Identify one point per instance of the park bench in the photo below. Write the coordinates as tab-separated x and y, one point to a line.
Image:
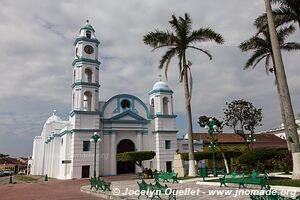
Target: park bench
243	179
100	183
155	190
166	176
271	196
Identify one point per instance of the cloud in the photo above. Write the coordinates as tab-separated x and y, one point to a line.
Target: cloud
37	52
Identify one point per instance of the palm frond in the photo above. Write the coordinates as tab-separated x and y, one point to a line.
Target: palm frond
258	55
165	60
205	34
283	33
254	43
267	63
202	50
156	38
290	46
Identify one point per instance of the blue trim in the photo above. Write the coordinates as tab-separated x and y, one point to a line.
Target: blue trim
160	90
164	116
64	132
79	83
85	130
93	40
127	113
78	66
87	27
126	96
73	112
125	121
112	131
85	60
165	131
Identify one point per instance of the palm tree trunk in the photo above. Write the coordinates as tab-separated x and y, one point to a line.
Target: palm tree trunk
192	167
282	113
224	158
291	133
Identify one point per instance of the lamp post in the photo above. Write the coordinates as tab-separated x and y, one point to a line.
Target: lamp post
251	139
212	126
95	138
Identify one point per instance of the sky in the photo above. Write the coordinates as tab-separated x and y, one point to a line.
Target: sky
37	53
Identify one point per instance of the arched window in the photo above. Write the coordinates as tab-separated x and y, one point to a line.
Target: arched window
152	107
88	75
125	104
165	106
87	101
88	34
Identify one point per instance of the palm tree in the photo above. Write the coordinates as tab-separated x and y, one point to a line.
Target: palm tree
284	93
287	11
177	43
261	45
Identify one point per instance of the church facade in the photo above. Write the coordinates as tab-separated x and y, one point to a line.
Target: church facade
124	122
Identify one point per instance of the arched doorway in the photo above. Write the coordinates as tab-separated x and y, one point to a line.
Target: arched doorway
125	167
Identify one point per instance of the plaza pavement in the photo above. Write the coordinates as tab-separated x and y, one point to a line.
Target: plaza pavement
202	190
71	189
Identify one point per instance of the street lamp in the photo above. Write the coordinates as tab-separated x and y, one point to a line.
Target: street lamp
95	138
212	127
251	139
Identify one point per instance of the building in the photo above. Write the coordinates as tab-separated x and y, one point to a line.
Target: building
124	122
280	132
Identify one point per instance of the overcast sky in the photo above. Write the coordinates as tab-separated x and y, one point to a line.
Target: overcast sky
37	51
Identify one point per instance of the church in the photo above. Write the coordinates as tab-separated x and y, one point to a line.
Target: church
64	149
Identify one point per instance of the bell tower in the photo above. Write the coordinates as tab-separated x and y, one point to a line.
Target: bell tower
164	124
85	87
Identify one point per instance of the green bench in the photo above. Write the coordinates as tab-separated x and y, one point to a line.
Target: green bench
243	179
99	183
272	196
152	191
166	176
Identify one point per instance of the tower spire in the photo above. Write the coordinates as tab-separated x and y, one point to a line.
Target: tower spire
159	77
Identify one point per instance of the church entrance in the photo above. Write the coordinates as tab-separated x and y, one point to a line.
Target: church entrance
125	167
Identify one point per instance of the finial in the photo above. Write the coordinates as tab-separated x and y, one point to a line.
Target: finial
160	77
87	21
54	112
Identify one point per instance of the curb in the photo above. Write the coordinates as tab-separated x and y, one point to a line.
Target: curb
103	195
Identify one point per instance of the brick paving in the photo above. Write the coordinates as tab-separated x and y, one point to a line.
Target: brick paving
53	189
201	190
71	189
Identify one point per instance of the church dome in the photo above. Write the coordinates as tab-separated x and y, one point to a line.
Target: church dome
87	26
53	118
160	86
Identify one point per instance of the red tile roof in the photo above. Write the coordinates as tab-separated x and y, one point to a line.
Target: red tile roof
220	137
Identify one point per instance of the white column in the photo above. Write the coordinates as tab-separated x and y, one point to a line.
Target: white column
113	149
139	140
156	136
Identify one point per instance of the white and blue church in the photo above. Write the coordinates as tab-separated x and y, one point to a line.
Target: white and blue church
124	123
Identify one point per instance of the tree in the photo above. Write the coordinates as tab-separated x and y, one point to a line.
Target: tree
243	115
177	41
287	108
136	157
3	157
287	11
203	120
261	46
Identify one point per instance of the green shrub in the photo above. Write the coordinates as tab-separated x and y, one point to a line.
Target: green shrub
262	159
137	157
208	155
